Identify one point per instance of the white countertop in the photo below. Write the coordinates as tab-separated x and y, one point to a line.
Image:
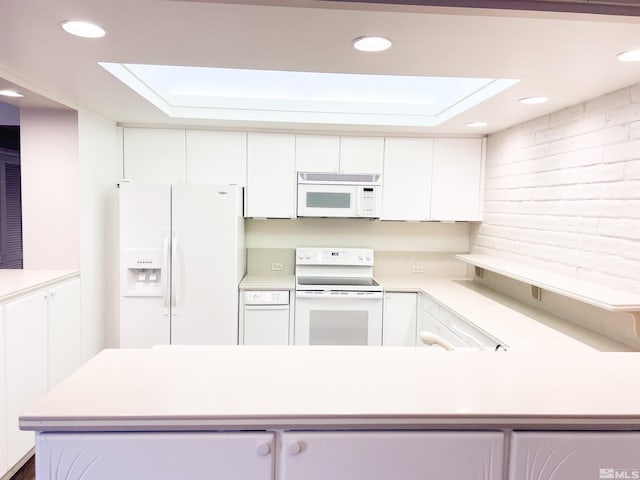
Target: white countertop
268	282
221	387
520	326
17	282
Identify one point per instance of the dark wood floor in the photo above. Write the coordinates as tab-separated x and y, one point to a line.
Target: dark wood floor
27	472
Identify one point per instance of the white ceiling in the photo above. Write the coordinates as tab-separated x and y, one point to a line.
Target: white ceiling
566	57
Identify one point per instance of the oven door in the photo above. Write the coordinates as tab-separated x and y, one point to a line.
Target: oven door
338	318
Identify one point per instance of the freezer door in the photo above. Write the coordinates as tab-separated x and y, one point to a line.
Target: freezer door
145	216
206	250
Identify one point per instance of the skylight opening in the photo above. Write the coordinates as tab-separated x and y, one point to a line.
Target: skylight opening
305	97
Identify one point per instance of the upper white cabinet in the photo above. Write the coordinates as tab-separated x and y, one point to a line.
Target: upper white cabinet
271	175
64	331
25	373
218	158
361	154
456	186
154	155
391	455
317	153
406	181
325	153
399	319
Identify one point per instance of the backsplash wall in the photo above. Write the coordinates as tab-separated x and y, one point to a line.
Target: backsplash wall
562	192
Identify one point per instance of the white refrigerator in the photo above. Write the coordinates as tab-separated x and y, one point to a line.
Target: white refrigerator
182	257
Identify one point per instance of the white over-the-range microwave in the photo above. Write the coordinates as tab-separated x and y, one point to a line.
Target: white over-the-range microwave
350	195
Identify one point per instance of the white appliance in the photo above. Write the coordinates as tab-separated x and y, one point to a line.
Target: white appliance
440	327
265	317
182	257
339	195
338	302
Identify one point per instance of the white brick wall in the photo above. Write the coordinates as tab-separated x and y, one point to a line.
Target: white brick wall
562	192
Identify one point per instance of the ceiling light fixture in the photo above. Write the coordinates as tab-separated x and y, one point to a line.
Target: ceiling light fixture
371	44
11	93
476	124
533	100
83	29
629	56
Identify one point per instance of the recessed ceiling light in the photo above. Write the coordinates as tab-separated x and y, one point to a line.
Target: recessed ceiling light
371	44
83	29
11	93
476	124
630	56
533	100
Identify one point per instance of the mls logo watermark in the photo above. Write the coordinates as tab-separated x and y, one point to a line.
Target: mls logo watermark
621	473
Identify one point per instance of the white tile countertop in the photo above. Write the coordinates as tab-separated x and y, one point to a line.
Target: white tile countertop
520	326
17	282
255	387
268	282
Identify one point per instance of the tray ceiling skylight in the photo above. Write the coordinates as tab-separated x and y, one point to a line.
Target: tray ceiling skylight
305	97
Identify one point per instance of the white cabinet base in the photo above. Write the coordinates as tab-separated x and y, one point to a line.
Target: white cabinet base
391	455
575	455
157	456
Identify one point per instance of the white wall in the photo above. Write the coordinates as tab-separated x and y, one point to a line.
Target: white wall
9	115
50	188
100	170
562	192
343	232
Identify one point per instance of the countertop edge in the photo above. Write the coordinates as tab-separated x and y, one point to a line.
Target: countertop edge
56	276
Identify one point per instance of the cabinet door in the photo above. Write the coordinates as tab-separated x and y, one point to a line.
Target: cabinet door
25	341
399	319
361	154
157	456
64	328
432	325
317	153
391	455
406	183
456	189
217	158
3	407
271	175
574	455
154	155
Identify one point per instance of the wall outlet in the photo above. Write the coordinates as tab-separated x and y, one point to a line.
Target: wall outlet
417	269
277	267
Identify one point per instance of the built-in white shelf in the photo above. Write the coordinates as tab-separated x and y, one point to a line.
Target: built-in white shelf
586	292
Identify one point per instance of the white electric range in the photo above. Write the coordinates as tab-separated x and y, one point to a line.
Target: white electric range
338	302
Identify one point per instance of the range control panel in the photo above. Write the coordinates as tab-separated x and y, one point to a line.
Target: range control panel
334	256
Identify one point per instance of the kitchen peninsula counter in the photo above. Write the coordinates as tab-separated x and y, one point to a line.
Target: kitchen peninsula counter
522	327
251	387
14	282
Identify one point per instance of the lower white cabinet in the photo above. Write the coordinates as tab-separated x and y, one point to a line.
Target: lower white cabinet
40	344
3	418
391	455
64	331
399	319
574	455
156	455
25	372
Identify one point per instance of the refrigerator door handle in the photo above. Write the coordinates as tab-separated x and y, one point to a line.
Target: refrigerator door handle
175	273
164	274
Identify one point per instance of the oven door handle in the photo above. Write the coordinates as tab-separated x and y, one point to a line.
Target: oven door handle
340	295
